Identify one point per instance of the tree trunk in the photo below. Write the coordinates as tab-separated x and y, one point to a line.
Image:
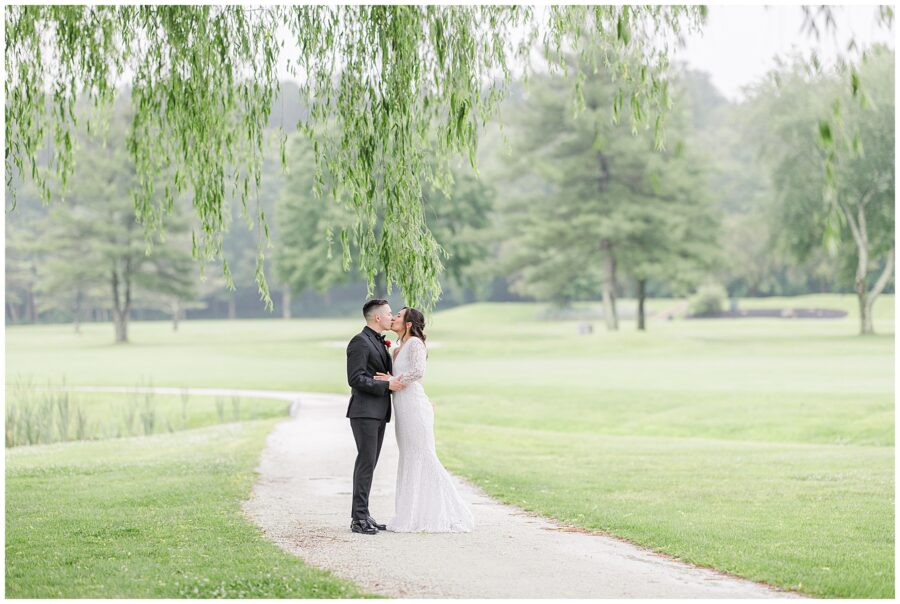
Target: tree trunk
865	316
865	322
77	310
642	292
609	286
13	312
866	309
116	303
30	306
232	307
121	328
176	313
120	310
860	233
127	313
380	285
286	303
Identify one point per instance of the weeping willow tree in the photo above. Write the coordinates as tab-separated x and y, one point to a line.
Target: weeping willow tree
393	93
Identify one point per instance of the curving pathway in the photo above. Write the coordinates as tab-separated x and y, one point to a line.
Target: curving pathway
301	501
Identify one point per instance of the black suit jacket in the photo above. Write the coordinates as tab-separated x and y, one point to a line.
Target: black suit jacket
366	356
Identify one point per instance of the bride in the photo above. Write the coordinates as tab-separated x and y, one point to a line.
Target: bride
426	499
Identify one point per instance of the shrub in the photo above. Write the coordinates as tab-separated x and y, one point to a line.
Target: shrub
709	299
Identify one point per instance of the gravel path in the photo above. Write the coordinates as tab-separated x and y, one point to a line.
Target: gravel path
301	501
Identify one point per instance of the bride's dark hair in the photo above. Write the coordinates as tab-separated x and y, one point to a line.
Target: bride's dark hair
417	319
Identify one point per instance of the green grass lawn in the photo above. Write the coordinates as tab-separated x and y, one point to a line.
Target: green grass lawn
763	447
147	517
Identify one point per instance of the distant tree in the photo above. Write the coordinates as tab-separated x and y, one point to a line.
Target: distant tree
675	238
23	257
753	263
309	255
94	239
199	105
309	252
601	202
459	217
69	278
848	207
200	108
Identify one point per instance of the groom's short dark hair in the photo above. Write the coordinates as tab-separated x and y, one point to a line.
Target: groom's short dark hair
371	305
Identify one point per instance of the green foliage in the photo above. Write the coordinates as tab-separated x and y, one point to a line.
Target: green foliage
194	121
823	19
460	221
403	86
710	298
312	251
309	255
752	263
834	180
846	93
435	85
585	189
23	256
92	241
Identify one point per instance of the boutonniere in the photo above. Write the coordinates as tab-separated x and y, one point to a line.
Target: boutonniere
387	343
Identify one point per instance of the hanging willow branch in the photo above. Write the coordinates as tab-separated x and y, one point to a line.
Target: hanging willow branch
393	93
203	79
817	21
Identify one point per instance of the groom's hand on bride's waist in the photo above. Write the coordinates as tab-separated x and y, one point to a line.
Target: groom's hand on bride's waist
394	383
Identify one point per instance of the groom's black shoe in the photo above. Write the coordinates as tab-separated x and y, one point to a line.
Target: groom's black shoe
380	527
362	527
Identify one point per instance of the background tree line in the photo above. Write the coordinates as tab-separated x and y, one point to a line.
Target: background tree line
567	207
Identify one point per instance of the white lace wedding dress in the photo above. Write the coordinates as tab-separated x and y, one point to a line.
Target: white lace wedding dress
426	499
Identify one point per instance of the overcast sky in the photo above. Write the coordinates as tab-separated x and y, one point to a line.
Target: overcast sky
739	43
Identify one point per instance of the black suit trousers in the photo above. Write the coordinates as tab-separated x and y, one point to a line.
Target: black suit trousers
369	434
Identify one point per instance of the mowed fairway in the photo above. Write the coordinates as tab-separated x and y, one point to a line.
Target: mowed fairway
147	517
761	447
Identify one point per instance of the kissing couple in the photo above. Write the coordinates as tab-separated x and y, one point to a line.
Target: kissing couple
426	498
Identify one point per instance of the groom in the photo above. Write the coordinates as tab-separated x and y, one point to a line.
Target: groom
370	406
